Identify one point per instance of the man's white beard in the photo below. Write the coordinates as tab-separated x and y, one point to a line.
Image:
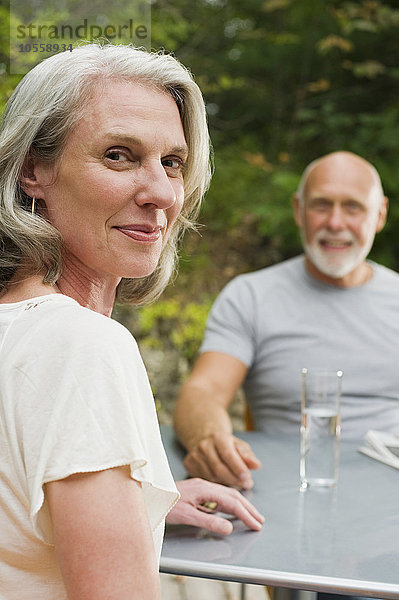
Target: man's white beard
333	264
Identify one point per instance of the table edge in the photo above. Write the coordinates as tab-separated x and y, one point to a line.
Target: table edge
278	578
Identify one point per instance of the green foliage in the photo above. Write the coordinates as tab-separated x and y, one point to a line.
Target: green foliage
7	82
284	82
246	187
169	323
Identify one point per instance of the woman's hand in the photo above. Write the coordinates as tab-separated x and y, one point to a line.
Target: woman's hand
190	509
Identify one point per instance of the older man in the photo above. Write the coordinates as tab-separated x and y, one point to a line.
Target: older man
329	308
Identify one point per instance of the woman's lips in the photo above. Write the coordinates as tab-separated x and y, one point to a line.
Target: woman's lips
141	233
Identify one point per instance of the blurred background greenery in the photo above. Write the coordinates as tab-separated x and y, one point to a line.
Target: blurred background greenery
284	82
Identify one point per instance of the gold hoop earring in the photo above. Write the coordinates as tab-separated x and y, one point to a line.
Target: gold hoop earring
33	205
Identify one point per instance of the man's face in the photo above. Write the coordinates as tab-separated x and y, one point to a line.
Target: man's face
341	212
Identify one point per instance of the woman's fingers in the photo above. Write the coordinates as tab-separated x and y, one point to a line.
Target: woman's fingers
195	493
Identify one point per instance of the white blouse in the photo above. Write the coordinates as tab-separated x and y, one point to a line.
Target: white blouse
74	397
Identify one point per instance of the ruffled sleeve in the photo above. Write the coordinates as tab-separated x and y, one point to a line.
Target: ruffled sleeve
83	403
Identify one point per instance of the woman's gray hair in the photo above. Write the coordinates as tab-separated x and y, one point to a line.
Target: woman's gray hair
44	107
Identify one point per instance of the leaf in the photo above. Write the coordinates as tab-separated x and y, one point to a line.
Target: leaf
334	41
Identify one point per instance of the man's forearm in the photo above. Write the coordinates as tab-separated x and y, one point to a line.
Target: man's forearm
197	415
203	425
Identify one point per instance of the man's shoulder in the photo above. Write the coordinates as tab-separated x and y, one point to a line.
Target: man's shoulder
385	281
287	271
385	272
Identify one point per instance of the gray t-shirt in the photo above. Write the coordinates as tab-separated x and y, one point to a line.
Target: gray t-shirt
280	319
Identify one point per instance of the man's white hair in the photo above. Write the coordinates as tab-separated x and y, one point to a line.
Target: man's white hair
376	191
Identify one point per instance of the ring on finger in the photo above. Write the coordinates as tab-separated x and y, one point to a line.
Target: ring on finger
210	506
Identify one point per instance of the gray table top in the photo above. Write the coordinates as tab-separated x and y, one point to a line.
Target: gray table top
341	540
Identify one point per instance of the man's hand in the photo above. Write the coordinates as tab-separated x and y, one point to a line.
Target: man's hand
190	509
223	458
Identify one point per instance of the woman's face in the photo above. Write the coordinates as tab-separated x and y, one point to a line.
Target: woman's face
119	187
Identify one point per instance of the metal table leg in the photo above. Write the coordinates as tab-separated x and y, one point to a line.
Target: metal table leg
288	594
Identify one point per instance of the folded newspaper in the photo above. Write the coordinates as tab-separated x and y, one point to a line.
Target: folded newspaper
382	446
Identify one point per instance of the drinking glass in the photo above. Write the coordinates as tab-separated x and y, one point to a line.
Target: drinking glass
320	427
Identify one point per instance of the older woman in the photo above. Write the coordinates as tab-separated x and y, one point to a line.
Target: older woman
104	158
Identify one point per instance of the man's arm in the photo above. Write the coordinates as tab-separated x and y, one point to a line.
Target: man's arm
203	425
102	536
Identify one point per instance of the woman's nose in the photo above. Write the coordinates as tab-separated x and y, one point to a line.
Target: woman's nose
154	187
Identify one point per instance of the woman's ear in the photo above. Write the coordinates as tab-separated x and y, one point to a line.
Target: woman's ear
27	178
33	178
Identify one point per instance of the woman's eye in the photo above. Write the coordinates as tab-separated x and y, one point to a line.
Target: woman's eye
173	163
116	155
